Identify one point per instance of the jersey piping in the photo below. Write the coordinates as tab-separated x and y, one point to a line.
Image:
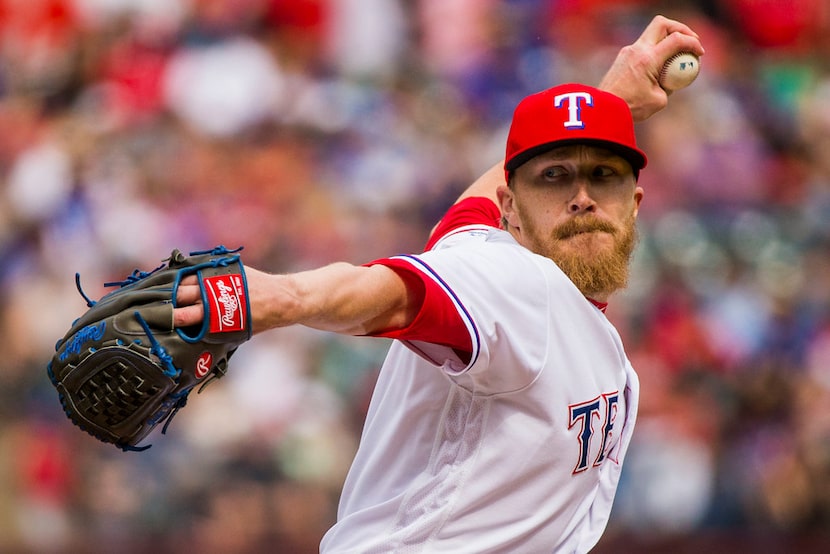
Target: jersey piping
466	319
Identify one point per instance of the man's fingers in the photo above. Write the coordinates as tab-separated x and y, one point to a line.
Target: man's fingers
678	42
660	27
188	315
189	310
669	37
188	294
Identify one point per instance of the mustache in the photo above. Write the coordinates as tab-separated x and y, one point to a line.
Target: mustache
585	224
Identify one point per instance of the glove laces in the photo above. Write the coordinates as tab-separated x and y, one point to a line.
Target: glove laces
171	405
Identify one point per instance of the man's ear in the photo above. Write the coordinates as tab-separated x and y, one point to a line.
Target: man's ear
507	205
638	198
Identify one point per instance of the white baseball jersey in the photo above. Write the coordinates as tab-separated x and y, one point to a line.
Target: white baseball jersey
519	448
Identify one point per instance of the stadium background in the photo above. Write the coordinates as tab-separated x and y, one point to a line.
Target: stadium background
319	130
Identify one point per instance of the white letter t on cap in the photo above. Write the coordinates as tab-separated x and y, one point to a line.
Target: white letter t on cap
574	106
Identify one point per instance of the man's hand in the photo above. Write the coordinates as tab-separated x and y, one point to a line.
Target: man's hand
634	74
190	312
262	286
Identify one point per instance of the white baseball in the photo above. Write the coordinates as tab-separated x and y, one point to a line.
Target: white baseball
679	71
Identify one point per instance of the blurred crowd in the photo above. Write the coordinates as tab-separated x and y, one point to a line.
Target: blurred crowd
312	131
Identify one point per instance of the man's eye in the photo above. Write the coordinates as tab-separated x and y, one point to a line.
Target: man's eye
554	172
603	171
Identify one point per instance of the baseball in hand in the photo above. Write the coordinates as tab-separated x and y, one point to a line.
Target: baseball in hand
679	71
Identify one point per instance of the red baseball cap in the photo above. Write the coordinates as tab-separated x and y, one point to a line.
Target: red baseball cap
571	114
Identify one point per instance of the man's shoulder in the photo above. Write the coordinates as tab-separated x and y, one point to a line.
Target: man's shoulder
471	211
489	254
468	235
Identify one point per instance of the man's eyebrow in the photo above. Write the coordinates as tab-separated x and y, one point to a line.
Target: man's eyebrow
566	151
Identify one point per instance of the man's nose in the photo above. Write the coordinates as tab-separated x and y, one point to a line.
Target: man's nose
581	201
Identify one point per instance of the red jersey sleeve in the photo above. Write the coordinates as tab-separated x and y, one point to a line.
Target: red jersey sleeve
470	211
437	321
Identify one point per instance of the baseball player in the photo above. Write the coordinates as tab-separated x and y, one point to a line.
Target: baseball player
504	408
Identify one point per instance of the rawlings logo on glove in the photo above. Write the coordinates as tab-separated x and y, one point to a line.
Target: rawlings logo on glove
227	296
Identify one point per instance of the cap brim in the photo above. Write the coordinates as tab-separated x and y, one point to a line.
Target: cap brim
634	157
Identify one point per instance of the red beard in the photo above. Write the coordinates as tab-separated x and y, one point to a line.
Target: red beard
603	270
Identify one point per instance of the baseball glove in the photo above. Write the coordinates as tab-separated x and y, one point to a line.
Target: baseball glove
123	368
